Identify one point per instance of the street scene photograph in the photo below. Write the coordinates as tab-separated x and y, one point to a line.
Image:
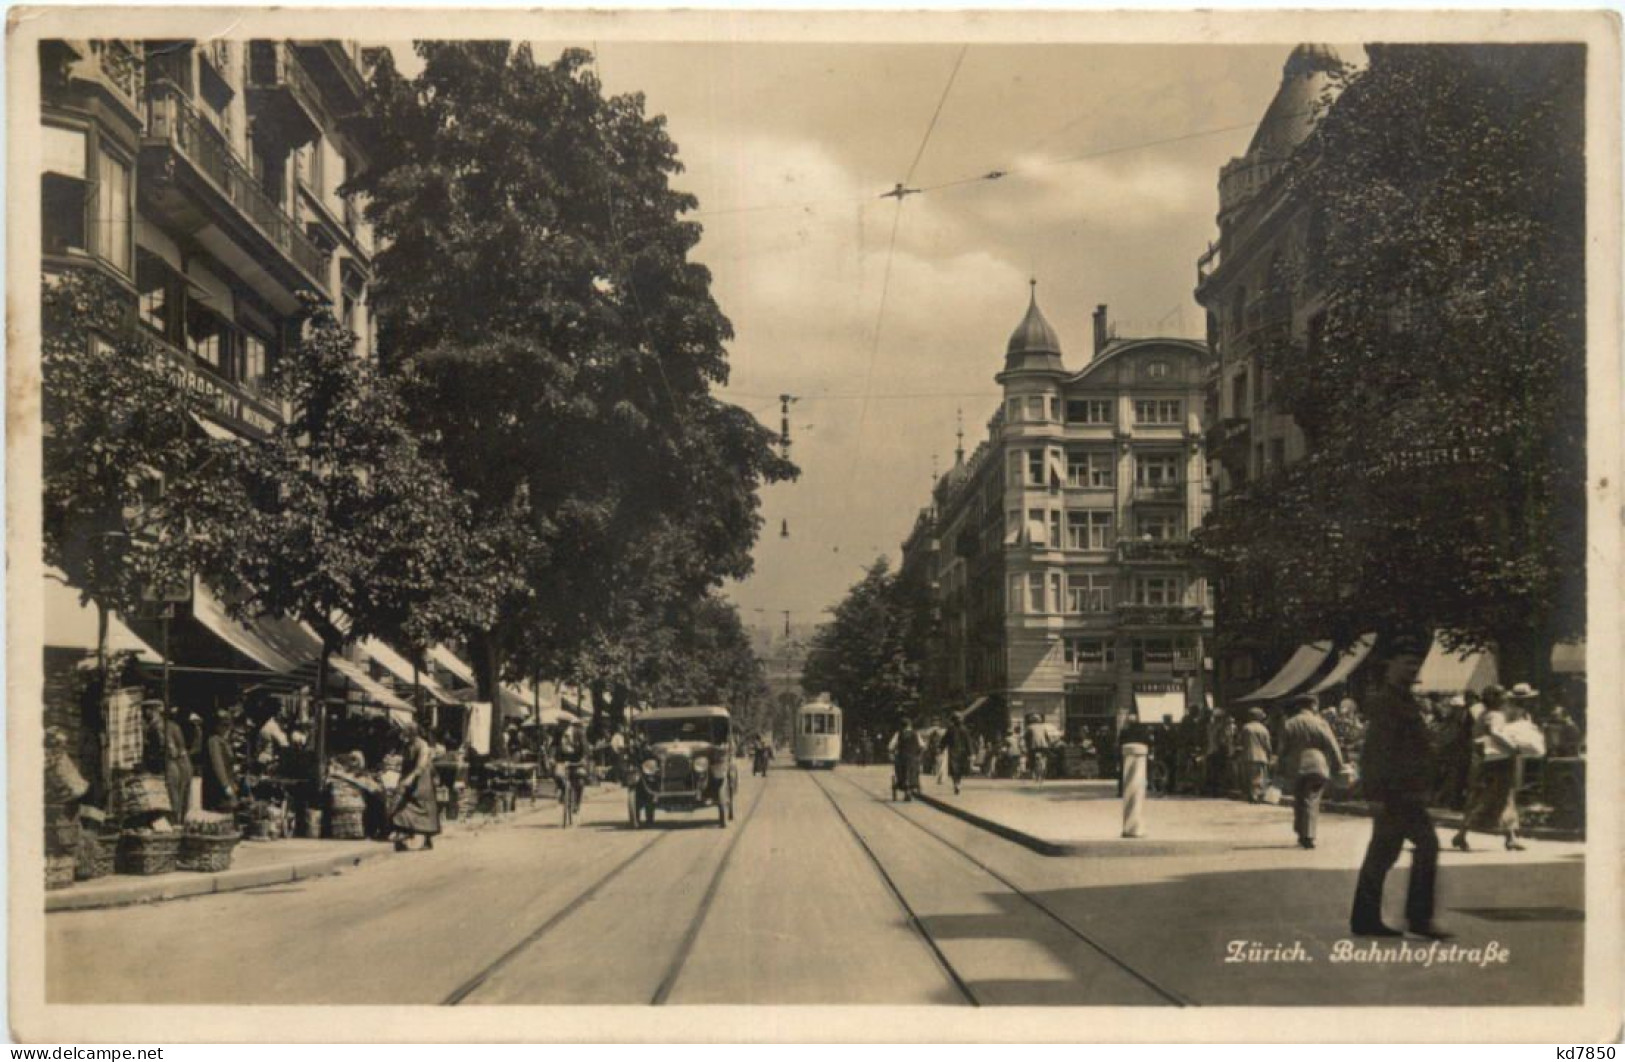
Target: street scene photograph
913	516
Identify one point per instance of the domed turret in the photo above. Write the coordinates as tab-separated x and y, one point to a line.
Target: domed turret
1034	344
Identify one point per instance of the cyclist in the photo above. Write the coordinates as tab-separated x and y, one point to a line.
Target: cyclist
570	760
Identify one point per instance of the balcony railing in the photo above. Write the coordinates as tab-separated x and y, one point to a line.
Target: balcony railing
289	94
1163	550
1159	491
1136	615
118	65
171	117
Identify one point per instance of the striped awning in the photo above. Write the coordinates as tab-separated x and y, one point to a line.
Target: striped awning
1298	670
402	670
1445	671
1347	661
375	692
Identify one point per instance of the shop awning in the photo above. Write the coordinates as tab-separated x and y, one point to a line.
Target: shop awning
1569	658
398	666
1347	661
1151	707
448	660
273	642
375	691
1445	671
72	625
1298	670
977	703
213	430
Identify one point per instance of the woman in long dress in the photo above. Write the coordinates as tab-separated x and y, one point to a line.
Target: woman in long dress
1492	805
416	811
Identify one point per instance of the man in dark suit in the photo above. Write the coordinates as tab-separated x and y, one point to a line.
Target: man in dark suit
1310	757
1397	767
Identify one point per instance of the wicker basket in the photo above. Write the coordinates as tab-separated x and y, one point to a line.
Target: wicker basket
341	797
59	871
61	836
95	857
347	824
147	853
204	854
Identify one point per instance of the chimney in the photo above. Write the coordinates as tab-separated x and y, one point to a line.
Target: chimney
1100	328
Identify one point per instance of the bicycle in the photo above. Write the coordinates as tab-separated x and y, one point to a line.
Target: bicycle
571	782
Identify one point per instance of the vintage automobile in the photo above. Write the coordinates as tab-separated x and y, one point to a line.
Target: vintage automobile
682	760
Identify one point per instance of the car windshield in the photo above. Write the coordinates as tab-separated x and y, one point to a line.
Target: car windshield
708	729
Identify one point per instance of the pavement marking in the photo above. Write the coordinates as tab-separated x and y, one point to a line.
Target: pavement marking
669	982
1172	996
897	894
472	984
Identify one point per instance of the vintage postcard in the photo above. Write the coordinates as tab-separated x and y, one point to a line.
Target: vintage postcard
805	525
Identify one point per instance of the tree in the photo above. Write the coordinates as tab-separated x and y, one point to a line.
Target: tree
865	658
119	449
535	279
339	519
1442	390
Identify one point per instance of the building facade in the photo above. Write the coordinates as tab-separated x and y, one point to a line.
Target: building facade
203	179
1254	286
1057	551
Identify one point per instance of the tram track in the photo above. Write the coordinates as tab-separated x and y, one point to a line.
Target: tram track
1168	995
674	969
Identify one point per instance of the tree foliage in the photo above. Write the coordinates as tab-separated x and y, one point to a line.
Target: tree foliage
1442	391
535	278
868	658
120	447
339	519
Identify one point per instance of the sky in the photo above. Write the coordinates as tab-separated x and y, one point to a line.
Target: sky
885	318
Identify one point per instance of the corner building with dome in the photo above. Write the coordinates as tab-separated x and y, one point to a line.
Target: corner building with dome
1057	552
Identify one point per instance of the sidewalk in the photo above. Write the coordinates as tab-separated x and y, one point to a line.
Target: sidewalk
1061	818
258	863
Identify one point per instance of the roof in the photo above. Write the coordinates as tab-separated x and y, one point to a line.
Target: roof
704	711
1120	348
819	706
1033	336
1291	114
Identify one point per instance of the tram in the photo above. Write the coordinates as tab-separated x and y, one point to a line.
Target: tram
817	741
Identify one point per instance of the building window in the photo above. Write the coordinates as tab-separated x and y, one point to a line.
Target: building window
1089	468
113	210
64	190
1159	527
256	362
1089	529
1157	590
210	339
1238	395
160	299
1089	410
1014	414
1157	370
1088	654
1056	583
1158	411
1156	470
1035	408
1035	593
1035	468
1054	539
1154	654
1018	591
1089	592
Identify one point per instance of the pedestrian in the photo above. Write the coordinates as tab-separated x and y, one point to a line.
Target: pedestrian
956	750
416	811
937	756
906	749
1397	769
1257	749
177	765
1455	754
1133	732
1035	742
1563	736
1310	757
220	792
1492	804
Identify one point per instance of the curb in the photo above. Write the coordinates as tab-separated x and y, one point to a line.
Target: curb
1449	821
1124	847
141	890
